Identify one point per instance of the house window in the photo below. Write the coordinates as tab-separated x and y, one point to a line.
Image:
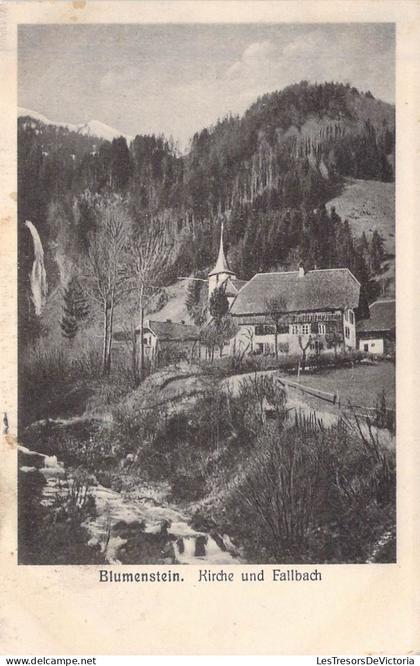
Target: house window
351	317
300	329
264	329
366	347
321	329
347	332
146	340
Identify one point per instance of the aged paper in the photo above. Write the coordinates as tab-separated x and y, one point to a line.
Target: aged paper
337	608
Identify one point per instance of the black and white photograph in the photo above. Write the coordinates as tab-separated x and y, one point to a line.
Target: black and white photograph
206	294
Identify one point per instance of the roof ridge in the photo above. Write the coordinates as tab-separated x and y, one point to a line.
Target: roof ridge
337	268
343	268
383	300
274	273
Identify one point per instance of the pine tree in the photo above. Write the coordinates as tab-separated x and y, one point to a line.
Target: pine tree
196	299
75	308
376	252
121	167
218	304
69	325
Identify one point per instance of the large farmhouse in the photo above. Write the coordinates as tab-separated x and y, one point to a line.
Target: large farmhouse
311	311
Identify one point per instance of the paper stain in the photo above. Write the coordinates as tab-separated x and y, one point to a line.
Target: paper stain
79	4
13	195
11	441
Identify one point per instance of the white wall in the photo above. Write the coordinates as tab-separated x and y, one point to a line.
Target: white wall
349	341
375	345
246	333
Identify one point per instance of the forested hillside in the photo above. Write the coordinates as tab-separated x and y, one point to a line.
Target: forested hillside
269	173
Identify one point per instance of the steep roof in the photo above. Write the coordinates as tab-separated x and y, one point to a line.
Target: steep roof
238	284
233	285
173	331
382	317
330	289
222	265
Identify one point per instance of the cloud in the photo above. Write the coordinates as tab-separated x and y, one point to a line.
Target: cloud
163	101
118	76
253	59
312	44
317	55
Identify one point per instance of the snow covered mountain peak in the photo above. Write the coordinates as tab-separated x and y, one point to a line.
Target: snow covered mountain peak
94	128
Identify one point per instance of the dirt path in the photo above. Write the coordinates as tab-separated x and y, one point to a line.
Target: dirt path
295	401
308	404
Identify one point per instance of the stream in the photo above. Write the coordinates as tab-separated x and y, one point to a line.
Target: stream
123	524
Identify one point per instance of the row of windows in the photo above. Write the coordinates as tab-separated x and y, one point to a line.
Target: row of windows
316	346
306	329
294	329
314	316
267	348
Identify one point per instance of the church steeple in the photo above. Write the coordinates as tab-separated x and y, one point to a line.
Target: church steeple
221	271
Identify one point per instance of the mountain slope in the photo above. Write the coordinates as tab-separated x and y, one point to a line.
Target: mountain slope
91	128
369	206
268	173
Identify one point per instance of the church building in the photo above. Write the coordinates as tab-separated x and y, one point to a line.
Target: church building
315	309
221	275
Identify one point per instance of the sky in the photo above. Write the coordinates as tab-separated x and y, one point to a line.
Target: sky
177	79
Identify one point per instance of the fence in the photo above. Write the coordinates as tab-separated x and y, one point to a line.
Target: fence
382	416
333	398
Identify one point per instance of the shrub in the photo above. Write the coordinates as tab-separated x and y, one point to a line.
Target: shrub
55	534
385	416
49	375
313	494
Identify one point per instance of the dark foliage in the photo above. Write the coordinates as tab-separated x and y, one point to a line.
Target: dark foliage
273	170
75	308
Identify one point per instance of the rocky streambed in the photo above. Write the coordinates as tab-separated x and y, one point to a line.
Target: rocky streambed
132	527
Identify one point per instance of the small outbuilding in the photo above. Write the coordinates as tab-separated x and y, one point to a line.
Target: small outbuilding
162	336
164	341
376	335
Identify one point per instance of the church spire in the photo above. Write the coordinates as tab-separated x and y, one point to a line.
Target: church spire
222	265
221	272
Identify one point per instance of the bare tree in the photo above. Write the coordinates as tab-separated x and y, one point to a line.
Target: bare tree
108	276
249	334
151	254
304	348
334	339
276	308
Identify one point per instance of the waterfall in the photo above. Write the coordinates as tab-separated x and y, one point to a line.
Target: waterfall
38	276
120	520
